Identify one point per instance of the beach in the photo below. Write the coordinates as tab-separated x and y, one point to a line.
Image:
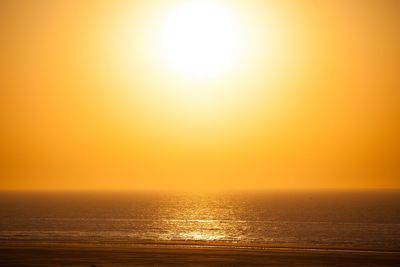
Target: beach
86	254
252	229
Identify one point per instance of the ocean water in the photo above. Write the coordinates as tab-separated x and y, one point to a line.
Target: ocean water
348	219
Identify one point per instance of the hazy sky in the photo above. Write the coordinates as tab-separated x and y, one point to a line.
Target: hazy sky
88	102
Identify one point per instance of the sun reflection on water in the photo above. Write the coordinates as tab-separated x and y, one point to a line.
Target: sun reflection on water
199	219
207	230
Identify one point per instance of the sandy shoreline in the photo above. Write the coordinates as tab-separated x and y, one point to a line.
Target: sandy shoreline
87	254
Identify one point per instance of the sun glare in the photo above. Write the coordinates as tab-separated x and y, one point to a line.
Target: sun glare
197	69
201	40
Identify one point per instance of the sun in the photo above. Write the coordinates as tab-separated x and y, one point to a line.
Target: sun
201	40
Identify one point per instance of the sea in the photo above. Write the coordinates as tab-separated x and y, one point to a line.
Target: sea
362	220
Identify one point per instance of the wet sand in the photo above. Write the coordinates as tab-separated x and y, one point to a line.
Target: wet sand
51	254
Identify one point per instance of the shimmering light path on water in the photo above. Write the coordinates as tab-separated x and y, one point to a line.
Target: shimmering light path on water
355	220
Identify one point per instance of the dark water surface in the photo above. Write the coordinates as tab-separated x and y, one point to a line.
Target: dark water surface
348	219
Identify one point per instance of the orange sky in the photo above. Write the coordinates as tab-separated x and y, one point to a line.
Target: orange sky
314	104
